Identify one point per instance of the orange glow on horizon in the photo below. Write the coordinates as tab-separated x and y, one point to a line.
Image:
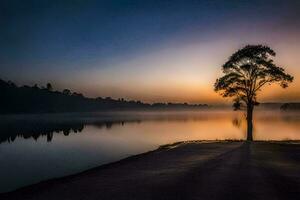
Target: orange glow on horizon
184	73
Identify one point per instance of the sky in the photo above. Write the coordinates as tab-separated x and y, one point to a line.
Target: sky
154	51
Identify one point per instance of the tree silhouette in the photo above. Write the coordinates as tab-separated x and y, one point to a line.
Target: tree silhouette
66	92
246	72
49	87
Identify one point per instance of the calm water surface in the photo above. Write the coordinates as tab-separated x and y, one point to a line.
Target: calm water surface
39	147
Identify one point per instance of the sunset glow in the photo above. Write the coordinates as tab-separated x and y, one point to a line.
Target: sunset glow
156	59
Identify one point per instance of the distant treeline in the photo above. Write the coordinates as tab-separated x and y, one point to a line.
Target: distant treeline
35	99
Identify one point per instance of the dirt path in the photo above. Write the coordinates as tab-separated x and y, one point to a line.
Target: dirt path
222	170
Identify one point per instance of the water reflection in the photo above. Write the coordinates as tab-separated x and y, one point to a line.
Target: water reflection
46	126
57	145
36	126
237	122
10	130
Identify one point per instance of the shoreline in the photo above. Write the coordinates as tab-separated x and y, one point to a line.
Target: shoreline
184	155
103	166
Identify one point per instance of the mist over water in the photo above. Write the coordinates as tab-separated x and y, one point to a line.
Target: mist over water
39	147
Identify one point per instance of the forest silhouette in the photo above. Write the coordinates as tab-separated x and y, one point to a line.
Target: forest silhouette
35	99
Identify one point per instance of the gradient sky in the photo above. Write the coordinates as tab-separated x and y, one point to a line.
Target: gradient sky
147	50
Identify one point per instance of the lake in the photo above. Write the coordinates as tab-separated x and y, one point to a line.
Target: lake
39	147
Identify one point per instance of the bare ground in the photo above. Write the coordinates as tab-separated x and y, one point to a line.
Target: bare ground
219	170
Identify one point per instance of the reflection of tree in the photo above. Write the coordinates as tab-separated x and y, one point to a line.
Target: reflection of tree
11	129
237	122
31	129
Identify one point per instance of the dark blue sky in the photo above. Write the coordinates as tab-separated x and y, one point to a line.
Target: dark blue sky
56	41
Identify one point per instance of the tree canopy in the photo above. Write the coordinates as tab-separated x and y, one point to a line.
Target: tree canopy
247	71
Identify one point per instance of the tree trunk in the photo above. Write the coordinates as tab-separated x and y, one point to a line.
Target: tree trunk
249	122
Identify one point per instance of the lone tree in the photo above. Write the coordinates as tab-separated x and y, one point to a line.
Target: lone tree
66	92
49	87
246	72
